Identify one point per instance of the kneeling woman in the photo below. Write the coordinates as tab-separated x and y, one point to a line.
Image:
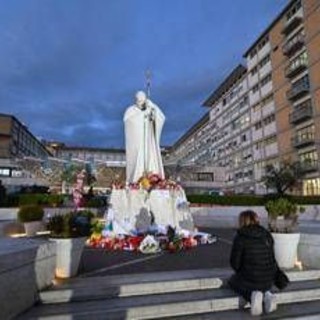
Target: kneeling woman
252	258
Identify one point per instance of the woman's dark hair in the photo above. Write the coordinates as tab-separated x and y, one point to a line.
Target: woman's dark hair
248	218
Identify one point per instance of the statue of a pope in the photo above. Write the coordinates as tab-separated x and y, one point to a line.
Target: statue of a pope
143	124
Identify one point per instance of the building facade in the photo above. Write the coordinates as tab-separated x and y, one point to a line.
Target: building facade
17	142
287	56
108	156
268	111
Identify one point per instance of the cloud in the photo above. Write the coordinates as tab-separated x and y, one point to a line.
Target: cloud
69	69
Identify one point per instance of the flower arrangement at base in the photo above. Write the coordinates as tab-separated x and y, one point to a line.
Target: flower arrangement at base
151	181
153	241
149	245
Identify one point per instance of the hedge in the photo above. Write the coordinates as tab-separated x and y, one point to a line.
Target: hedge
41	199
248	200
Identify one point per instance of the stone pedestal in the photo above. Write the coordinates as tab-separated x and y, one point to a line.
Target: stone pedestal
137	208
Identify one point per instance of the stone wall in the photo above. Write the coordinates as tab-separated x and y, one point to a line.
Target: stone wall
26	267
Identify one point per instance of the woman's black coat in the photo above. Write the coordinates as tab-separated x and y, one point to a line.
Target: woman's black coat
252	258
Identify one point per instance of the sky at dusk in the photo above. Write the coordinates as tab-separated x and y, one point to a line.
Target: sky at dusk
70	68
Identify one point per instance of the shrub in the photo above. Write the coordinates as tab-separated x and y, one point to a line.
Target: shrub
95	203
70	225
54	200
286	209
41	199
249	200
232	200
29	213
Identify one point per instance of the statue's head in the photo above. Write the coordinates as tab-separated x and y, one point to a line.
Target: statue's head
140	98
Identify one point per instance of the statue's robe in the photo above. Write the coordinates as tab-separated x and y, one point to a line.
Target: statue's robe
142	135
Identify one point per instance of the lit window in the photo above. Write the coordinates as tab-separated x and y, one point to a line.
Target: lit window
4	172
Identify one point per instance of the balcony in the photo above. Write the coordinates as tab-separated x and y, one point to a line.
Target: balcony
294	44
309	166
299	89
293	22
301	113
296	66
303	139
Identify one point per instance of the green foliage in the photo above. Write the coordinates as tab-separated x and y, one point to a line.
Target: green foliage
29	213
41	199
94	203
70	225
232	200
287	210
283	178
97	227
249	200
69	174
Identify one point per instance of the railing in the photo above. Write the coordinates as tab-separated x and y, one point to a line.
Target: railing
301	112
303	139
296	66
293	23
309	166
293	44
298	90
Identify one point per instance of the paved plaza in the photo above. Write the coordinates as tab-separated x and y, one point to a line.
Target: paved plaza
99	262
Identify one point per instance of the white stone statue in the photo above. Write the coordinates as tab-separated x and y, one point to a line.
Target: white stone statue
143	123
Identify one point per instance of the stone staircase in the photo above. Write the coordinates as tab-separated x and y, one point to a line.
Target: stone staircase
190	294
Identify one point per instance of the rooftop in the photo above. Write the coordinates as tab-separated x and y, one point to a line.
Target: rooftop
266	31
233	77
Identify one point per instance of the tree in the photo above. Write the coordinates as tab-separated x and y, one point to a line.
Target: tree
282	178
90	177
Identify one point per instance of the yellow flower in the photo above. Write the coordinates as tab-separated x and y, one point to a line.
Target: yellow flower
145	183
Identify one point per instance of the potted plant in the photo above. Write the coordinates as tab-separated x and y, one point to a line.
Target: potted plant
69	231
31	216
283	220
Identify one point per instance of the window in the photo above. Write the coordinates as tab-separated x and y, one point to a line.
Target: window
264	61
293	10
259	145
263	42
270	140
243	102
304	81
254	71
265	80
269	119
252	53
311	187
258	125
16	173
306	132
4	172
309	157
205	176
255	88
267	99
256	107
301	60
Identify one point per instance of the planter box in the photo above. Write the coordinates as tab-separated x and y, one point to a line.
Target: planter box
69	253
31	228
309	250
285	249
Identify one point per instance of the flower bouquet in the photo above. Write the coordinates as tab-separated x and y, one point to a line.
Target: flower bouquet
149	245
152	181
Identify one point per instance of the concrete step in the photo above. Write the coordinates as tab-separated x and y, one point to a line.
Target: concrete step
296	311
97	288
159	306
